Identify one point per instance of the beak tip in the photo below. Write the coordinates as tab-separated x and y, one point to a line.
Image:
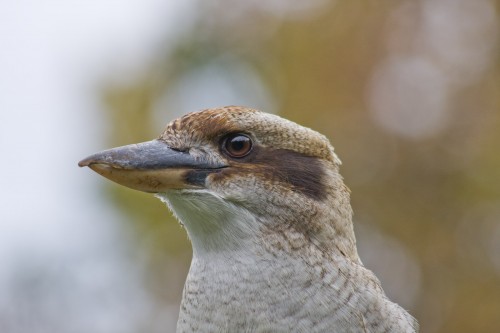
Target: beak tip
85	162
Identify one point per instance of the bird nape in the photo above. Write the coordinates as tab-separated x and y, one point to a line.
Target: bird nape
270	222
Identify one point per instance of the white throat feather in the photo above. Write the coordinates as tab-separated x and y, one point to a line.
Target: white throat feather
213	223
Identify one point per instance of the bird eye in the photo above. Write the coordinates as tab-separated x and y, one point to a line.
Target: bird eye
237	145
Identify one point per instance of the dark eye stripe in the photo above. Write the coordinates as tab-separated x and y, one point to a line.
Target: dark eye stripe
304	173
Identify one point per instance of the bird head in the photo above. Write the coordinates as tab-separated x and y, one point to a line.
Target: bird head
234	176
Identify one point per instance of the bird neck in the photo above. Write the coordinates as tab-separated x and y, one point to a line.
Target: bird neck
329	231
218	227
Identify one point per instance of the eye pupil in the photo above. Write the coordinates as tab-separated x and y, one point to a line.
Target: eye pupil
237	145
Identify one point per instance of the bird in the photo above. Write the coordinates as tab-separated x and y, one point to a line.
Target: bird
270	223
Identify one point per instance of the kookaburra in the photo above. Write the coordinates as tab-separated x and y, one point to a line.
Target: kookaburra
270	222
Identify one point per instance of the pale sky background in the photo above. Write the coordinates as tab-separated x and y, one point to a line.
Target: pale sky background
54	228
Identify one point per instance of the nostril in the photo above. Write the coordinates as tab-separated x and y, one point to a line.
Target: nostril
180	150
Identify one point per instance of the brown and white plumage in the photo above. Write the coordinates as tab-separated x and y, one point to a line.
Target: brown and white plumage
273	243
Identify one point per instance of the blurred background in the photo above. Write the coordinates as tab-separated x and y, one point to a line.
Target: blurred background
408	91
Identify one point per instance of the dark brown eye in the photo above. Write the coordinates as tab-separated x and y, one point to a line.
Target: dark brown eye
237	145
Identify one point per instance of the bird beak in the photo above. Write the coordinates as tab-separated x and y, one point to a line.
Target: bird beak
149	166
